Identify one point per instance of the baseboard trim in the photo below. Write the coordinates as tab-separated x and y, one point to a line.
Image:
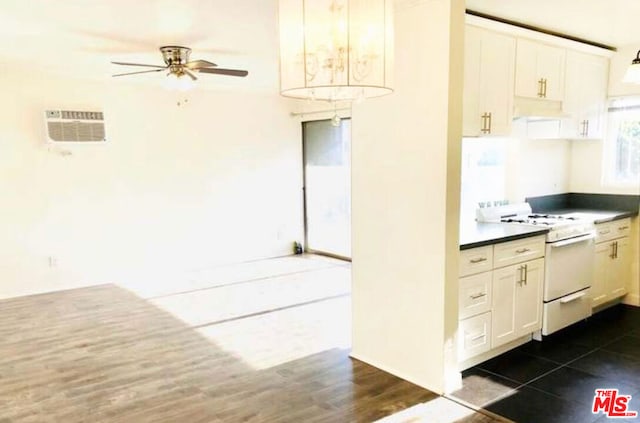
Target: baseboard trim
632	299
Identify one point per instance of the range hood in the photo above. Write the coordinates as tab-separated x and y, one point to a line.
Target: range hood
537	109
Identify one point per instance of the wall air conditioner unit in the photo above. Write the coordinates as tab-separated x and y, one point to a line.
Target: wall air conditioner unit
72	126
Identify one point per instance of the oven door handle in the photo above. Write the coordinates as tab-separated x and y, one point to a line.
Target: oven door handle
572	297
572	241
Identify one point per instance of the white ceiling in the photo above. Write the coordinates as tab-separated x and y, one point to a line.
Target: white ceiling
81	37
611	22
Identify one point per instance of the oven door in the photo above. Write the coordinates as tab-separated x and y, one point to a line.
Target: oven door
568	266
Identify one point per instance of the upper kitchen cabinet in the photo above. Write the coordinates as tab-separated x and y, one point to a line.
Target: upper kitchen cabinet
585	95
539	71
488	82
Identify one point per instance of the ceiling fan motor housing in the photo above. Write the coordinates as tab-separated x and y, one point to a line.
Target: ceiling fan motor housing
175	55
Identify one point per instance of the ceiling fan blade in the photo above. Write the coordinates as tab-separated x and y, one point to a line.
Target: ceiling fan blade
133	73
191	75
138	64
220	71
198	64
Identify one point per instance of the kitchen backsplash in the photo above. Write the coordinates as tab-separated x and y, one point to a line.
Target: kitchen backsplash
575	200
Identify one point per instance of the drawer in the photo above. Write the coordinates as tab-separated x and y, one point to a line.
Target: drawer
474	336
612	230
476	260
565	311
474	295
518	251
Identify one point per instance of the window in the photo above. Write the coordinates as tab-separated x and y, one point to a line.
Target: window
483	174
623	141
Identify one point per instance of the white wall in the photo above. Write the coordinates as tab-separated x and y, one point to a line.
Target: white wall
618	66
405	202
537	167
216	180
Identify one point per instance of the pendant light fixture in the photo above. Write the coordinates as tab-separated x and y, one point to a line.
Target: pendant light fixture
633	72
336	50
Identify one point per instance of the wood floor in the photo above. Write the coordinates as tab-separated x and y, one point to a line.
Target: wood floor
262	342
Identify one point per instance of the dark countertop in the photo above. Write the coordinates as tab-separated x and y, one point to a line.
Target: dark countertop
476	234
598	216
600	208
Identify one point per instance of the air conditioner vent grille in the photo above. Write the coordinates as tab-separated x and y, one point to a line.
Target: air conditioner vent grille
75	126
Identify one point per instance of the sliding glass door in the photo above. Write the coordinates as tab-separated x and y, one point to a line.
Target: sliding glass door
327	187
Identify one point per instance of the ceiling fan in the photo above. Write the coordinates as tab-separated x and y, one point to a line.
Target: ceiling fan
176	59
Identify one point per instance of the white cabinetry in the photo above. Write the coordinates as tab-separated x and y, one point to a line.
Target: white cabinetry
612	271
500	294
517	301
539	71
585	95
488	82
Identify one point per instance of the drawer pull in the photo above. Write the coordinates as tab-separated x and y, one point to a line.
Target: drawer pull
475	338
522	250
572	297
478	260
478	295
622	228
604	232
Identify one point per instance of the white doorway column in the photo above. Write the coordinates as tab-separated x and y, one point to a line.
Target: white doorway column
405	202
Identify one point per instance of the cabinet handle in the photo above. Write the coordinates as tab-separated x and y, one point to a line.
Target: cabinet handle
478	260
616	250
540	82
522	250
478	295
622	228
586	129
585	126
604	232
486	123
521	280
526	273
544	85
613	250
475	338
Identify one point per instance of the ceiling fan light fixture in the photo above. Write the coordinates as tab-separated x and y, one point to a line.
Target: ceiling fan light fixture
336	50
179	82
632	76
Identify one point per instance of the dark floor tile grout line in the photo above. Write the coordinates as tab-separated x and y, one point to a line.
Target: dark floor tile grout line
260	313
225	285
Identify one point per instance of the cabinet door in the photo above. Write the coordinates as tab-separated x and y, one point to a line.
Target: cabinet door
585	95
471	121
488	82
539	71
550	68
599	287
620	268
526	84
503	324
497	67
528	299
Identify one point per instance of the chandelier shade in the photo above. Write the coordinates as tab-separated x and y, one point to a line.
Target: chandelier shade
336	50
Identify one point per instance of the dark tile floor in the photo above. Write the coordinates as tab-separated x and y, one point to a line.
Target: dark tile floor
554	380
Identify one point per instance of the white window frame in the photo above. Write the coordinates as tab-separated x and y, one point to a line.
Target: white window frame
610	177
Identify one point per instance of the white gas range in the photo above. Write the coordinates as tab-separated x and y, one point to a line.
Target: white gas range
569	256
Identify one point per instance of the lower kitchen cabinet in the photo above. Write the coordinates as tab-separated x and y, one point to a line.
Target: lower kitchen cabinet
475	336
500	296
517	301
612	271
